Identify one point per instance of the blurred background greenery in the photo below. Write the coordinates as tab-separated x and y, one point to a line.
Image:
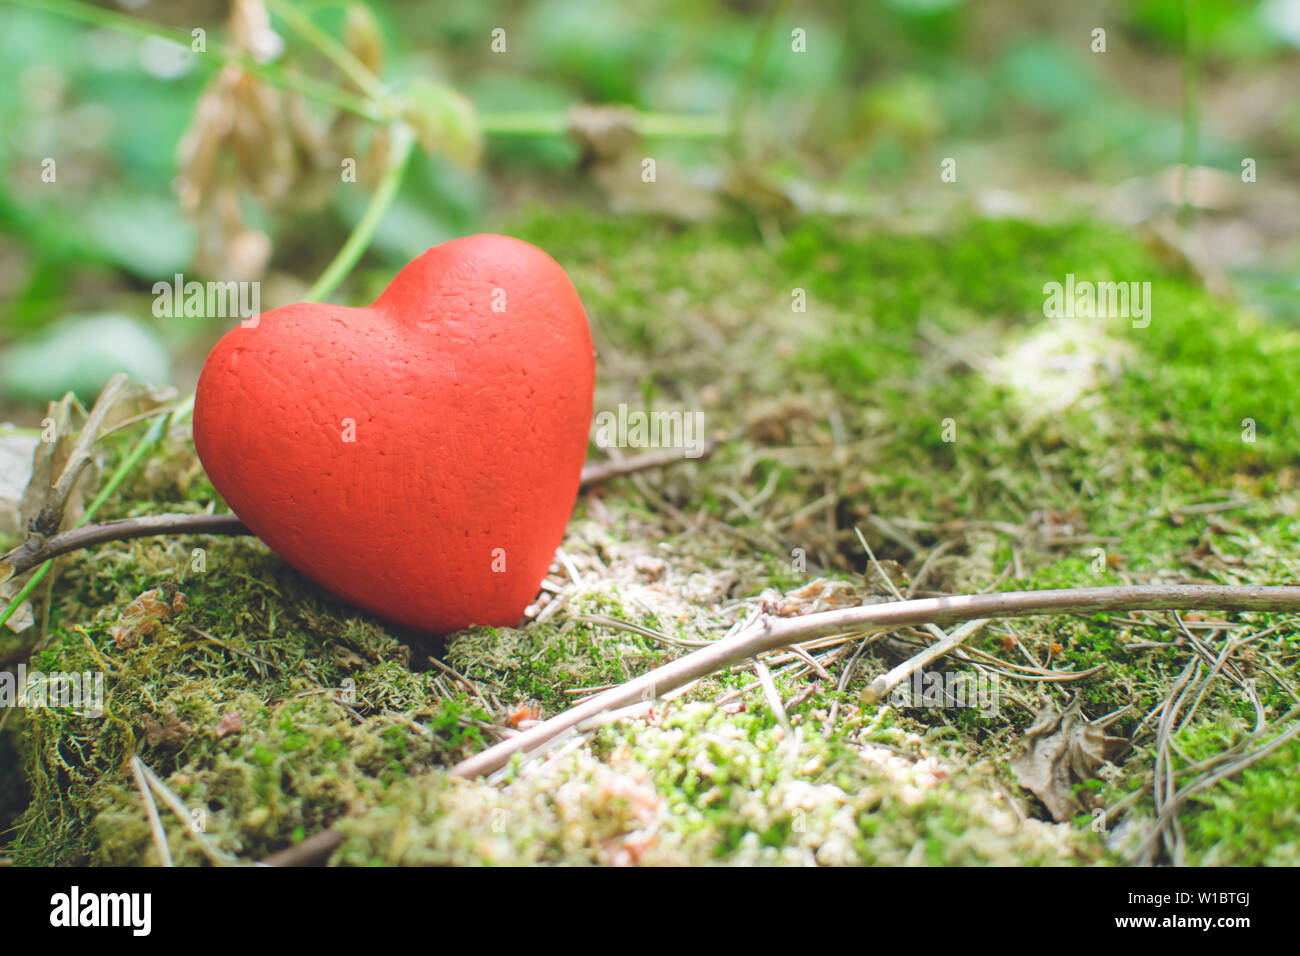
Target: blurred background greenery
1043	127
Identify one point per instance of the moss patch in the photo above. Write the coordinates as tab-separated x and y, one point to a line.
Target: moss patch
922	398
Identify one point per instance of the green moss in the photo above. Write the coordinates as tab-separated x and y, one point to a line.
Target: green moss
837	417
543	662
697	786
1250	819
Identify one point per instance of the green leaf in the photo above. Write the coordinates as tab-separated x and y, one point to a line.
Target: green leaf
80	355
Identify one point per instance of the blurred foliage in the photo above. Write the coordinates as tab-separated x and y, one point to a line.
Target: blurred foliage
886	89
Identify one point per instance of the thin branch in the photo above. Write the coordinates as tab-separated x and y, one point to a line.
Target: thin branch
882	685
332	49
768	633
159	786
32	553
315	850
29	555
885	683
595	474
151	811
376	109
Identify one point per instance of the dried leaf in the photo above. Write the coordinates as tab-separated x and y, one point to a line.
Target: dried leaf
20	620
823	594
231	723
1062	749
136	401
144	616
51	458
48	461
169	731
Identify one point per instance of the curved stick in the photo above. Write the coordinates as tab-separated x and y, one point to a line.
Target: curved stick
768	633
29	555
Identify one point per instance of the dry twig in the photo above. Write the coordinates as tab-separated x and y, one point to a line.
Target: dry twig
39	550
767	632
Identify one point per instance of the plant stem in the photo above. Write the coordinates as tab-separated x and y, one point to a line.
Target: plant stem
552	123
399	151
329	47
1191	109
381	109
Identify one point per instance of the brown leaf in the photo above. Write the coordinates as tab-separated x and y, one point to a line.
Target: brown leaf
143	616
1062	749
822	594
49	461
230	723
49	458
168	731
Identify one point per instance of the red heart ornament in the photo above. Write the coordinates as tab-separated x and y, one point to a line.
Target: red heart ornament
419	457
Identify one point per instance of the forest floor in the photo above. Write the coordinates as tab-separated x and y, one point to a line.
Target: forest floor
922	399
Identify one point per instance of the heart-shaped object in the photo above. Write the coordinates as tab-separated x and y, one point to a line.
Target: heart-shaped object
419	457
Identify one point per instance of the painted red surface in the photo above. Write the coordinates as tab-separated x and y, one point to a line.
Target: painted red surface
470	433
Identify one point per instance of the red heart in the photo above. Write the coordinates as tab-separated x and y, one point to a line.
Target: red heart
469	384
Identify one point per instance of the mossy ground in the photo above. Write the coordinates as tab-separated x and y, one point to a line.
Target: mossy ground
1070	436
